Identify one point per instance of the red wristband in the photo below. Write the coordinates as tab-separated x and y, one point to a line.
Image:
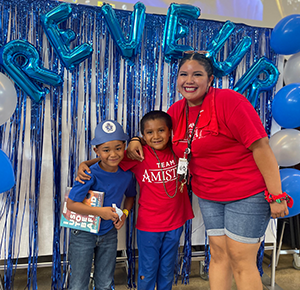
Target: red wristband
279	198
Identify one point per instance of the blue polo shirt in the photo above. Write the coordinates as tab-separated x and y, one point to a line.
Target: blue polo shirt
114	185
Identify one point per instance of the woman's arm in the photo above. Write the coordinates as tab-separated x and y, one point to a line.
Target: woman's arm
107	213
267	165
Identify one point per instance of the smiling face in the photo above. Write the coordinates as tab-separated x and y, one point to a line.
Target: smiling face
193	82
111	154
156	134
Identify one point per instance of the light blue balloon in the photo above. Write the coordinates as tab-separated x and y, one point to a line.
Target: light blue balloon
174	30
251	81
127	46
61	39
6	173
286	106
31	70
285	35
234	58
290	180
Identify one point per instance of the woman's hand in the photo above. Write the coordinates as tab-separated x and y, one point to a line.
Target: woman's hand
279	209
135	150
268	167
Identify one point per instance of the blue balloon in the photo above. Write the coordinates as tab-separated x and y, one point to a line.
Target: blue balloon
285	35
286	106
290	181
28	70
61	39
251	81
226	67
174	30
6	173
127	46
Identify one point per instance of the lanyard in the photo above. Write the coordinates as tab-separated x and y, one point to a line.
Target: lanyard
187	152
183	162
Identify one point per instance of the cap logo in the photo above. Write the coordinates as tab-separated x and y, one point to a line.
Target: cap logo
109	127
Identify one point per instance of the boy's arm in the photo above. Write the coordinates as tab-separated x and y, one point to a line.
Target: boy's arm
106	213
85	166
128	203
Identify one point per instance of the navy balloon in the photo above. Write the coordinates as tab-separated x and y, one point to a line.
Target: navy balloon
6	173
286	106
285	35
290	180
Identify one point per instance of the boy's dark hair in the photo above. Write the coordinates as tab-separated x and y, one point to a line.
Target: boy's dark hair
201	58
153	115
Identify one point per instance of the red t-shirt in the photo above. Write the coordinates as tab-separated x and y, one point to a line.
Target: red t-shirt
222	167
157	211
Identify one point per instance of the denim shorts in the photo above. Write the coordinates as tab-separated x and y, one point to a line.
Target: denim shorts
244	220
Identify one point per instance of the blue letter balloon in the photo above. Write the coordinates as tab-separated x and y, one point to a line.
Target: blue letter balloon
60	39
6	173
251	79
286	106
227	66
290	180
285	35
176	30
128	46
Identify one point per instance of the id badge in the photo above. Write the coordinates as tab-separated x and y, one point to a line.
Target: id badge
182	166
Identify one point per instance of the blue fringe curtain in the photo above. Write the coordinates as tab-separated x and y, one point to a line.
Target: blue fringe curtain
46	141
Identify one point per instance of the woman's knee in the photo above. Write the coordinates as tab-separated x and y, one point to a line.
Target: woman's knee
218	249
242	255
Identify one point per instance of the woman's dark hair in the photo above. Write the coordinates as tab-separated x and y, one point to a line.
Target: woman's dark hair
201	58
153	115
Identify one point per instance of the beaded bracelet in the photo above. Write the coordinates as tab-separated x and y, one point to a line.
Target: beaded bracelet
138	139
279	198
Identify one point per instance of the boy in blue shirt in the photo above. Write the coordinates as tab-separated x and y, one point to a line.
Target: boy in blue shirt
108	177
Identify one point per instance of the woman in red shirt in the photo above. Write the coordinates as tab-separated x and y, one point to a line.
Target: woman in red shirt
218	134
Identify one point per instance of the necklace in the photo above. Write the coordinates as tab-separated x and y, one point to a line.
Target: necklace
162	173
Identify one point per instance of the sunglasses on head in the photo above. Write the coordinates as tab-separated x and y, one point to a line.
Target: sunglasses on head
189	52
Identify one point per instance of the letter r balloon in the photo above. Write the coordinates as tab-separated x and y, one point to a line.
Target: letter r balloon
255	84
28	70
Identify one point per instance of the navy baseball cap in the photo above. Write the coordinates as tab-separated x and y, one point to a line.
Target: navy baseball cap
108	130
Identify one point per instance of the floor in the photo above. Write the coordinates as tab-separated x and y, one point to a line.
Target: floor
286	276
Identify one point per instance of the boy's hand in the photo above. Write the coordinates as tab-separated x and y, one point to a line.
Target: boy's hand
135	150
81	175
108	213
119	223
